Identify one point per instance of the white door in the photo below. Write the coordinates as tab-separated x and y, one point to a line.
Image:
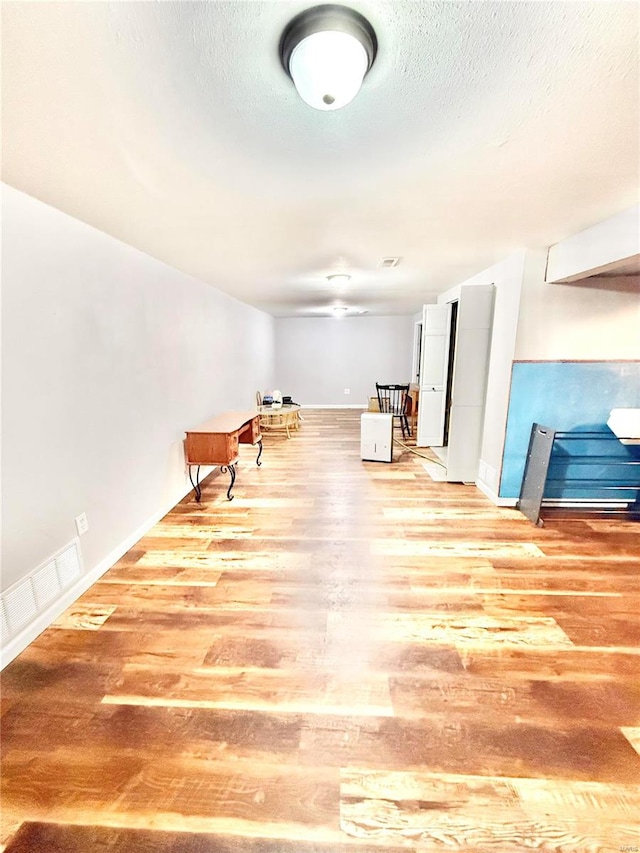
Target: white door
436	326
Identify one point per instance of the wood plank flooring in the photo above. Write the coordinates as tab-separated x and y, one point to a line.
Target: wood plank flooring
349	657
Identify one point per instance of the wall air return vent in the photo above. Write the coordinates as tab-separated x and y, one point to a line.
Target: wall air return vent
20	605
68	566
3	622
45	584
23	602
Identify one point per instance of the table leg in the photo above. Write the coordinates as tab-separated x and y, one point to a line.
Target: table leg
196	485
231	468
259	443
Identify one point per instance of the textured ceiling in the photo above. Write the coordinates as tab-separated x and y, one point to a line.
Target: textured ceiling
482	127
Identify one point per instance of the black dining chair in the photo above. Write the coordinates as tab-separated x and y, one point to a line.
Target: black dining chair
392	399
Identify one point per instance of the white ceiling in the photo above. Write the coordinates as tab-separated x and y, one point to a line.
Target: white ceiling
482	127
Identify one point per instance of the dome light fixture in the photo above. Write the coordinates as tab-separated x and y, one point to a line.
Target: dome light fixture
339	278
339	310
327	51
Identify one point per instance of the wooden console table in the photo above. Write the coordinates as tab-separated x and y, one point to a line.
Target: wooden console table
216	442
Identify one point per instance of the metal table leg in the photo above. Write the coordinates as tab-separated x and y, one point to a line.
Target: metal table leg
196	485
231	468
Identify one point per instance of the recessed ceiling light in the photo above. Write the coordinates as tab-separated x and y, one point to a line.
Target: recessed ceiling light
339	278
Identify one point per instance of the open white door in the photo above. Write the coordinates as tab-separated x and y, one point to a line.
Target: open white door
436	325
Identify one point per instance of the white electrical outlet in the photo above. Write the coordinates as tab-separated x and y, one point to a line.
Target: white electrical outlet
347	390
82	524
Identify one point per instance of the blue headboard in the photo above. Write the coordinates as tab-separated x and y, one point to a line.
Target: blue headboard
573	396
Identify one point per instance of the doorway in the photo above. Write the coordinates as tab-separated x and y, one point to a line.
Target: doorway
456	343
417	353
452	356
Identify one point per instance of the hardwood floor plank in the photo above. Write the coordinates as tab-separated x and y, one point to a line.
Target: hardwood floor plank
572	664
85	615
244	688
56	838
452	513
470	629
467	813
422	548
576	704
499	745
28	678
218	561
632	734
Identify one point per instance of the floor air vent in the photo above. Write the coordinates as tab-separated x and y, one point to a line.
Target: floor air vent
27	599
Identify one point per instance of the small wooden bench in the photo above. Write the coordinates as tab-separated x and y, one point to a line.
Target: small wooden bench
217	441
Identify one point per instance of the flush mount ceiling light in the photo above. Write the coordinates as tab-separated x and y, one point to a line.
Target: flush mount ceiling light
339	311
327	51
339	278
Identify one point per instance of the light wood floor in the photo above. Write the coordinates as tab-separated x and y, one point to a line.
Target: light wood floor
347	657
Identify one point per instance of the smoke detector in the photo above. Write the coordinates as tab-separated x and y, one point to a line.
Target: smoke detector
388	263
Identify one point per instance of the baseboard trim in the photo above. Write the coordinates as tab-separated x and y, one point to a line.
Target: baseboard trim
30	632
494	498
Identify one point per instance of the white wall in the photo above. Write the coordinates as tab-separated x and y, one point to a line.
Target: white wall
535	320
596	319
108	356
506	276
317	358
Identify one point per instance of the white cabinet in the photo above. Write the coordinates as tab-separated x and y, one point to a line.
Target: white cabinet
376	437
436	334
453	380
